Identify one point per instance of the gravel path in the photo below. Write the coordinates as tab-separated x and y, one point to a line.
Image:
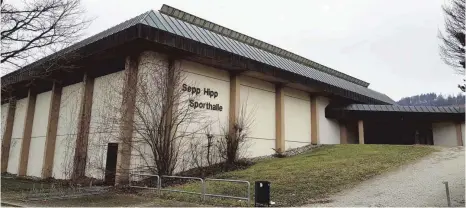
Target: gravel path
415	185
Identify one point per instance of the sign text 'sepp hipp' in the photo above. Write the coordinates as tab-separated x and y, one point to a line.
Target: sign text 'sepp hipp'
202	105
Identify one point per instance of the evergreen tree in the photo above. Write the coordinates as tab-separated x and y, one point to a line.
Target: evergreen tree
433	99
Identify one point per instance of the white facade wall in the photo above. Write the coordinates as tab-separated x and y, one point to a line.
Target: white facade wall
106	104
39	131
4	113
17	136
258	98
36	157
218	81
67	130
215	122
297	118
444	134
329	129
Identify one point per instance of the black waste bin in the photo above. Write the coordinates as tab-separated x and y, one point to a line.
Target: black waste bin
262	193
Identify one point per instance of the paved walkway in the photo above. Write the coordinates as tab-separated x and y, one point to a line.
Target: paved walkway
415	185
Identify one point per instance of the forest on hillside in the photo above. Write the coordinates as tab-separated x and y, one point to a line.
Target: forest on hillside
433	99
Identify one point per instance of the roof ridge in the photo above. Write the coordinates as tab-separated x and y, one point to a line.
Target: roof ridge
221	30
145	15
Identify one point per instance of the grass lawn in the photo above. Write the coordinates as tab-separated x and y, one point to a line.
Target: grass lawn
13	190
21	185
314	175
114	200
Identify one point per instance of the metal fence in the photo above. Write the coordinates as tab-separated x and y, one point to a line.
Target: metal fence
202	192
150	176
247	198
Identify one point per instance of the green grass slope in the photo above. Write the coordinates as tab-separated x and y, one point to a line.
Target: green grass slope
310	176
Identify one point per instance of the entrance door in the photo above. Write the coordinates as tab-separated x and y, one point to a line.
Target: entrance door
110	167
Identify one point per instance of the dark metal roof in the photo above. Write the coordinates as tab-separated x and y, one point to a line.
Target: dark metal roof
399	108
197	21
199	34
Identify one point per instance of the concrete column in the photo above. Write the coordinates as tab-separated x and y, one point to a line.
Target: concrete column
26	141
314	121
51	135
127	118
459	134
361	131
80	153
6	142
279	118
234	100
343	133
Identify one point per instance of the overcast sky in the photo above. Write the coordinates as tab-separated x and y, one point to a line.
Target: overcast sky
392	44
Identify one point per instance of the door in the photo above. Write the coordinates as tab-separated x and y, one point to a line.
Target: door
110	167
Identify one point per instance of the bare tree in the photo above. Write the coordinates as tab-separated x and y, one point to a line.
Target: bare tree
235	137
164	116
35	28
453	40
203	152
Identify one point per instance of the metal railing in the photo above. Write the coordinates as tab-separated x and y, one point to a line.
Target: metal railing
247	198
145	187
202	192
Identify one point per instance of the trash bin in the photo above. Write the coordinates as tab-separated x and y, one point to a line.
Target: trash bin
262	193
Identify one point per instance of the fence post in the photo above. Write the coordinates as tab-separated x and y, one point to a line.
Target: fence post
448	193
203	190
159	185
249	194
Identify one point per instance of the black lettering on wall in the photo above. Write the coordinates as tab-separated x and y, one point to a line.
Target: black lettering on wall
207	92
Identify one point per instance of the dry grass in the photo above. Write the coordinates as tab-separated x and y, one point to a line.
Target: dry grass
114	200
20	185
13	190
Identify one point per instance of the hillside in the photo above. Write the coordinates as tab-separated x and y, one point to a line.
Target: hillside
433	99
311	176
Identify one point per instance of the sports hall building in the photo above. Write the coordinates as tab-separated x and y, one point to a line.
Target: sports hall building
49	117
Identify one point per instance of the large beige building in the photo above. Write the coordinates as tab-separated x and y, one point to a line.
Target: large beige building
49	118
